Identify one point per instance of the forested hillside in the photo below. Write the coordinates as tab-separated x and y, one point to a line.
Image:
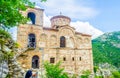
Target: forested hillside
106	48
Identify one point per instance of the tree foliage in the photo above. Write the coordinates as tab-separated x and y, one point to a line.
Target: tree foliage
10	15
54	71
85	74
95	69
116	74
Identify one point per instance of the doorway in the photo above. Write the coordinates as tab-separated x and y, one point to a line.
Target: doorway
35	61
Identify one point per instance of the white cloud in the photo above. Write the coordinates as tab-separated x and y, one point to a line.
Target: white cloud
85	27
75	9
46	22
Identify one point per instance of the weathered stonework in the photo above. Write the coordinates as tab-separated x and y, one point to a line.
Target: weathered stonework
76	56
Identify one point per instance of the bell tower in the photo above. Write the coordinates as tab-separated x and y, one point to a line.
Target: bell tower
28	34
35	15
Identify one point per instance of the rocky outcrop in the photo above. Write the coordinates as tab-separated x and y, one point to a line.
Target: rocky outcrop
15	69
12	66
3	69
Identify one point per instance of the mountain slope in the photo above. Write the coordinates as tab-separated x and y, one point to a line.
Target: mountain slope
106	48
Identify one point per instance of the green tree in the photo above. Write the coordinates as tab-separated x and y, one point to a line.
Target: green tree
95	69
116	74
85	74
10	15
54	71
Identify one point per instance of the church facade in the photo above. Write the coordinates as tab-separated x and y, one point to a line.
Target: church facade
59	43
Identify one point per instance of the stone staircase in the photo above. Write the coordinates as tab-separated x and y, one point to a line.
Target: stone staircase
14	68
20	51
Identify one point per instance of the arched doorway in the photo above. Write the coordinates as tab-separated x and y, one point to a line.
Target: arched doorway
35	61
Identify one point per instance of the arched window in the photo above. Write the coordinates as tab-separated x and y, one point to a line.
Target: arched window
31	41
35	61
32	16
62	41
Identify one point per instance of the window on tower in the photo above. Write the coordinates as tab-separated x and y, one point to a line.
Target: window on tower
32	17
31	41
62	41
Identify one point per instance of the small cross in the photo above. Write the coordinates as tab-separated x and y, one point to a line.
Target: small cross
60	13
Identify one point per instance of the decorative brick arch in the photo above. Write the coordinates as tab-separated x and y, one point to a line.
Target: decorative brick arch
43	39
31	10
86	40
53	40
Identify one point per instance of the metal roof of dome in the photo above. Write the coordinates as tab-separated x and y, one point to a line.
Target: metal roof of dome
60	16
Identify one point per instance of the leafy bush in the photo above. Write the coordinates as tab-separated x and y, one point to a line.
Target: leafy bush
54	71
98	76
74	76
85	74
116	74
95	69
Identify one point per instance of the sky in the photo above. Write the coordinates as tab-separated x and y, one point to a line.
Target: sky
93	17
102	14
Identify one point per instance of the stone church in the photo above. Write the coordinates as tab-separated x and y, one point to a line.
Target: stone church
59	43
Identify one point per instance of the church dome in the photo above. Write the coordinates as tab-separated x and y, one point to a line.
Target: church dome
60	20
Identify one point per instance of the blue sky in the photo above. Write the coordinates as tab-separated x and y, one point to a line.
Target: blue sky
108	19
102	14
